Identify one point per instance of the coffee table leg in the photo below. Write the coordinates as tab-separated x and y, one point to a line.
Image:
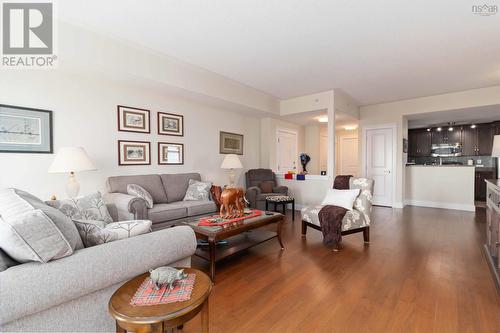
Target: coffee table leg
280	224
204	317
211	245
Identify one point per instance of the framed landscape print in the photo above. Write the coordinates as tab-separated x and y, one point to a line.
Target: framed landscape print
170	153
170	124
25	130
134	152
133	119
231	143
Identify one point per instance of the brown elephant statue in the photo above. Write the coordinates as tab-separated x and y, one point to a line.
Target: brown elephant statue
232	203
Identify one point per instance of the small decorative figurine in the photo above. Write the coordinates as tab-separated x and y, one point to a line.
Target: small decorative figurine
232	203
304	159
166	275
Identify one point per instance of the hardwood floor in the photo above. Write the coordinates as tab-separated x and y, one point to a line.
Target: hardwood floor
424	271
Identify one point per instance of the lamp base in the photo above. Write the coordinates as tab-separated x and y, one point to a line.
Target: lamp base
72	186
232	177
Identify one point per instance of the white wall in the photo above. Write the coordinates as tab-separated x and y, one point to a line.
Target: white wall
85	115
447	187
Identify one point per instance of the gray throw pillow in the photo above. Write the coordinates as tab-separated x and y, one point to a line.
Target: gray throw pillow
63	222
198	191
30	235
140	192
6	261
97	232
88	207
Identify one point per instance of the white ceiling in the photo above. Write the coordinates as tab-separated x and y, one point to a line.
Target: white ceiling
375	51
476	115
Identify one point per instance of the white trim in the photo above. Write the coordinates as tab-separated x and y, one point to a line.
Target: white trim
289	131
443	205
394	128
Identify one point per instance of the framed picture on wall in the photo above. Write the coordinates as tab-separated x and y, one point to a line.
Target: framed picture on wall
170	153
134	152
231	143
25	130
170	124
133	119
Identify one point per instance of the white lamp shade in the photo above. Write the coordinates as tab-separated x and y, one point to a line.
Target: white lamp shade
71	159
496	146
231	161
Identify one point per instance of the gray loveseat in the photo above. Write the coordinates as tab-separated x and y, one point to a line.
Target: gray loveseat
167	191
71	294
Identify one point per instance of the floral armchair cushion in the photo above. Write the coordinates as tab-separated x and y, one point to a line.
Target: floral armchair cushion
359	217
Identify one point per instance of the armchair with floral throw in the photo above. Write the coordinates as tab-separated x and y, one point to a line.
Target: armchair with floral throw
356	220
261	183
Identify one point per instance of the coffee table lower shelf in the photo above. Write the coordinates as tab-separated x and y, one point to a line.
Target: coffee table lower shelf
236	244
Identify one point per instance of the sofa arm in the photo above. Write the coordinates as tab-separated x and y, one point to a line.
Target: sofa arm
128	207
32	287
251	194
281	189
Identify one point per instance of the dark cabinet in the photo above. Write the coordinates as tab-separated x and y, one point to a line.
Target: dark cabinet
477	141
480	184
419	143
497	128
445	136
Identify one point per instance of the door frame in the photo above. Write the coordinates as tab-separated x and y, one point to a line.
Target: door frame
289	131
340	137
364	152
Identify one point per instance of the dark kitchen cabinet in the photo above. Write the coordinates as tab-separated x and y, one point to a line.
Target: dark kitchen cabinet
497	128
419	143
477	141
446	137
480	184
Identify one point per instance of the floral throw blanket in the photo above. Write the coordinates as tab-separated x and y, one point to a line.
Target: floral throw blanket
330	217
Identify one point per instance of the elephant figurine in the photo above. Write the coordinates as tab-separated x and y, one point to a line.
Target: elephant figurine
232	203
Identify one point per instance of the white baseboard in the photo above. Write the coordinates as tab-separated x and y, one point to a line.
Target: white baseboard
444	205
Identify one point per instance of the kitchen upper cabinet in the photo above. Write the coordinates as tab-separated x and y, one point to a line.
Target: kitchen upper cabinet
419	143
485	134
469	141
446	137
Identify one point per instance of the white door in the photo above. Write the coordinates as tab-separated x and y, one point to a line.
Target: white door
348	155
379	164
286	149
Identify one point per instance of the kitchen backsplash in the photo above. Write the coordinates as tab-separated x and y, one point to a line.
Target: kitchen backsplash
487	161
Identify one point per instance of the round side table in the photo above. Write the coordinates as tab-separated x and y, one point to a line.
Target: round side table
162	317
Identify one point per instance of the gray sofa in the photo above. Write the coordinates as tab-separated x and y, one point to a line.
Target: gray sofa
254	194
71	294
167	191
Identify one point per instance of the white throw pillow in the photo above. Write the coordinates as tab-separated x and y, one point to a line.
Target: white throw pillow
140	192
95	232
341	198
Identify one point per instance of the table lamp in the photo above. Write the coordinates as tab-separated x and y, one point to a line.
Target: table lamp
71	159
231	162
496	151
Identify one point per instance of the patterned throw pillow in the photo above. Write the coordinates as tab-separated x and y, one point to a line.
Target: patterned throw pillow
89	207
94	232
198	191
140	192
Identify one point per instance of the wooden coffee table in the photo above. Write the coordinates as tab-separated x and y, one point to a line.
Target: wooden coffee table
162	317
240	237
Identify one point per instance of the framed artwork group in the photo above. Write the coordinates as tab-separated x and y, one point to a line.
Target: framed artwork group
130	152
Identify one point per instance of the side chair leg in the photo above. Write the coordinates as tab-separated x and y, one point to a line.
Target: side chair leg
366	235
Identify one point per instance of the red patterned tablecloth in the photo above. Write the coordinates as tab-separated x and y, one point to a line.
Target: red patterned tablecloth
148	295
216	220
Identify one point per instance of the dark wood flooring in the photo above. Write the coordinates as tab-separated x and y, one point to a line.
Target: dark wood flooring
424	271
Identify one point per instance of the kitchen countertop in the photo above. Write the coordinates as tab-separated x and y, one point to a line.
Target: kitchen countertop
480	168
